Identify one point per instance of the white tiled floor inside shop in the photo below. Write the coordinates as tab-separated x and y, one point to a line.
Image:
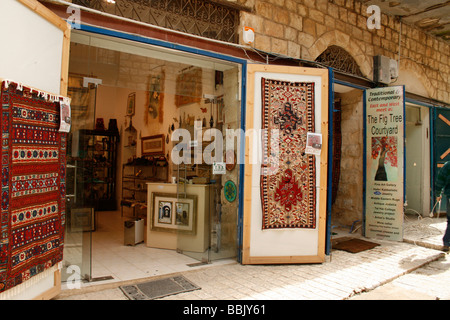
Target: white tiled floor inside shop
111	258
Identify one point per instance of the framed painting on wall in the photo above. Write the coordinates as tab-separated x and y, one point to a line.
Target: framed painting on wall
153	145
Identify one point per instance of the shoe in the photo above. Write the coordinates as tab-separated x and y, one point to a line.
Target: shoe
446	249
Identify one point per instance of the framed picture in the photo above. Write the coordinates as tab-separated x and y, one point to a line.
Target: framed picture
131	104
172	214
153	145
182	214
165	211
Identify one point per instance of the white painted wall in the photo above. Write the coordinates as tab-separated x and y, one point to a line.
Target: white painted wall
31	54
30	49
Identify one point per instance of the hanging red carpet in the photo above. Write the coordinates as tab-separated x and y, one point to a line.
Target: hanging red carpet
288	188
33	185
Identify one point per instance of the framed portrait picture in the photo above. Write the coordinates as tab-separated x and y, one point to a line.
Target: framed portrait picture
153	145
165	211
172	214
131	104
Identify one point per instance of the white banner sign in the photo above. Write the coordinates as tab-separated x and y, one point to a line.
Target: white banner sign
384	163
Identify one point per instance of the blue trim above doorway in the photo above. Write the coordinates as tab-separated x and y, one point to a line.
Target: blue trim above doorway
160	43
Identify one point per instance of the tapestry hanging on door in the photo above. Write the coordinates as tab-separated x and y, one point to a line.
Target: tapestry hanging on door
288	188
33	184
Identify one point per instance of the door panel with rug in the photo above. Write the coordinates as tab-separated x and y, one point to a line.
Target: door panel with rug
285	165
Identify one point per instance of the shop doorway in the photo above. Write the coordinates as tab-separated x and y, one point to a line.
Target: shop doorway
417	148
150	214
348	153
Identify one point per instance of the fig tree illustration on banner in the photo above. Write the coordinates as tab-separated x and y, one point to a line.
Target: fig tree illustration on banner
384	150
385	143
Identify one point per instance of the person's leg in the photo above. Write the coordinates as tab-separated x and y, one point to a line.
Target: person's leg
446	238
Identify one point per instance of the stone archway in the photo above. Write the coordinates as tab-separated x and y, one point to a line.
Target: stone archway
347	193
415	79
339	59
339	39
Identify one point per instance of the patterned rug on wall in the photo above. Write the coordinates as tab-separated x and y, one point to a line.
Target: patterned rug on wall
33	185
288	188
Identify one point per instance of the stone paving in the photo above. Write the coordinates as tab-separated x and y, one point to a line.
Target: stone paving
341	277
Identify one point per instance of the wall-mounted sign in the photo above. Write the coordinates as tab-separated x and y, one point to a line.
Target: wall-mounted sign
313	143
384	163
219	168
65	117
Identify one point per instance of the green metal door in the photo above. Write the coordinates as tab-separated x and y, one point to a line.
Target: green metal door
441	150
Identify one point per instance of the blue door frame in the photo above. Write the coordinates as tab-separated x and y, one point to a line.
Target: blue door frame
331	112
440	140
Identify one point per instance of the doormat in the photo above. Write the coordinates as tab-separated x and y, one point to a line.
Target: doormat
101	278
355	245
156	289
197	264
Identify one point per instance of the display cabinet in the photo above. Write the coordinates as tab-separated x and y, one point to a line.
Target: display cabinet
135	176
96	156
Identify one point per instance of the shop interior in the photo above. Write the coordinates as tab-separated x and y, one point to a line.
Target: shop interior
132	211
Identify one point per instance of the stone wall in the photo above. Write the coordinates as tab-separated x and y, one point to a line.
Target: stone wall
305	28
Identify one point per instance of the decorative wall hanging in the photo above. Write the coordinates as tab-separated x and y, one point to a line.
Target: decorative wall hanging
220	110
155	106
189	86
230	159
288	191
33	184
230	191
131	104
79	96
